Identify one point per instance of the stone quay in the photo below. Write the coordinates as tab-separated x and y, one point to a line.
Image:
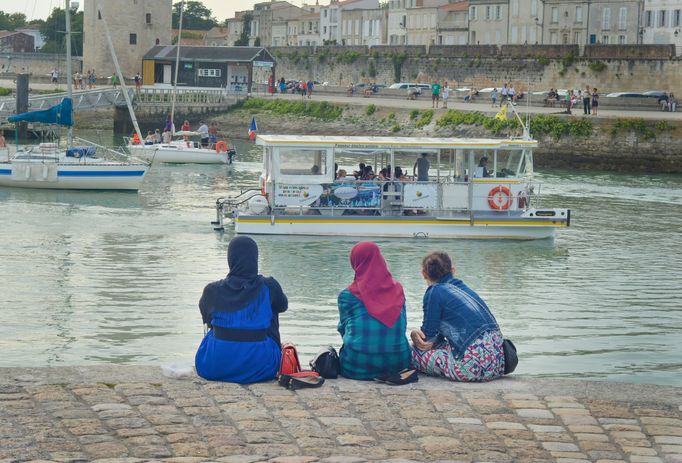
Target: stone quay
119	414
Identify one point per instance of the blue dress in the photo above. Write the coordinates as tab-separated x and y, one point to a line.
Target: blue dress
242	345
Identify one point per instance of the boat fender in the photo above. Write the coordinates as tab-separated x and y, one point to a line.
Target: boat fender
221	147
500	198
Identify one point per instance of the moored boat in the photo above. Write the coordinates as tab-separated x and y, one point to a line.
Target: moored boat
300	192
183	151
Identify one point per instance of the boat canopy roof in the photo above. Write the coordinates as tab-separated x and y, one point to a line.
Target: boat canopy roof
395	143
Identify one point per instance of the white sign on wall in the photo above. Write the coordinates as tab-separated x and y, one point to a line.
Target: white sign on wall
420	195
297	195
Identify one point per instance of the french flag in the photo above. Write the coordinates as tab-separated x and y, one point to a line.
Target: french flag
253	129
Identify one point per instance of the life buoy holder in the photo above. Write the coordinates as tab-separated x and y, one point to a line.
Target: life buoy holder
262	187
221	147
500	198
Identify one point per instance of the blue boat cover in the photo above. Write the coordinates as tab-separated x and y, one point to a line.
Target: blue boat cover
59	114
81	151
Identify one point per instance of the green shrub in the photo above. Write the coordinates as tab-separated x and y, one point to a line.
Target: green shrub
347	57
636	125
395	128
414	114
542	60
597	66
5	91
390	116
398	59
539	125
663	126
372	70
425	118
318	110
370	109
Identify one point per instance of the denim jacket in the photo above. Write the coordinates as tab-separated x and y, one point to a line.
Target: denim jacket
454	311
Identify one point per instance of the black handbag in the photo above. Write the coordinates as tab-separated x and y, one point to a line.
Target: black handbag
511	359
326	363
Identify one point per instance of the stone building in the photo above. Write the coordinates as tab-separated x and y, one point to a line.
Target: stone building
135	27
331	17
218	37
525	22
614	22
271	17
565	22
661	23
488	22
16	42
363	27
453	24
309	30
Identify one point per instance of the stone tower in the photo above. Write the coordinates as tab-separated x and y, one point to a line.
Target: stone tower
135	27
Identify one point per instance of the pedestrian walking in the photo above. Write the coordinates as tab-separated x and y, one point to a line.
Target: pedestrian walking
587	101
493	96
446	95
595	101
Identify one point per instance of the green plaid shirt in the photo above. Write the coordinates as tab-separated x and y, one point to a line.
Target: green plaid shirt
370	348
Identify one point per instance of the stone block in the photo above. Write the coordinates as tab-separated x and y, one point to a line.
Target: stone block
560	446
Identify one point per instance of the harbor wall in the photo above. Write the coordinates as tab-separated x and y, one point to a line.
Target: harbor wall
611	68
37	65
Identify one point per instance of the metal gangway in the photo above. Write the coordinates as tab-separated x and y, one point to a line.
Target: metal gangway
82	100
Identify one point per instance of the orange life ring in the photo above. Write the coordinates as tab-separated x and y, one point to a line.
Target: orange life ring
221	147
500	198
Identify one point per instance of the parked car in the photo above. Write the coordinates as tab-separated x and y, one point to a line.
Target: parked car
406	85
625	95
655	93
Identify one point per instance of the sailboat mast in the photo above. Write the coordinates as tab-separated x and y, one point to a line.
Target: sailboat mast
69	70
124	88
177	66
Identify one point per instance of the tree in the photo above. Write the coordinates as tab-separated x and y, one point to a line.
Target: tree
243	40
10	22
195	16
256	42
52	31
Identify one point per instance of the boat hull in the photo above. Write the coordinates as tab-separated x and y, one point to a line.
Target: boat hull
490	227
170	154
66	176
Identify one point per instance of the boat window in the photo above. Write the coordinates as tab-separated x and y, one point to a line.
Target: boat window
303	161
509	163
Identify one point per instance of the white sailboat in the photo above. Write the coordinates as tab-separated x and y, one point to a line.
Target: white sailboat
182	150
76	168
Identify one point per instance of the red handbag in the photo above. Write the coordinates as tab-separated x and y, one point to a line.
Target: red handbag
290	363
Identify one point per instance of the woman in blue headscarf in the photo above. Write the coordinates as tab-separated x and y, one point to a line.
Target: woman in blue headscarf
242	312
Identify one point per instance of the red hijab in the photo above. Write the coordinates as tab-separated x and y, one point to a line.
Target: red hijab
373	284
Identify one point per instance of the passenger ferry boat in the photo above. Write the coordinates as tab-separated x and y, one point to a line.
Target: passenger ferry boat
299	193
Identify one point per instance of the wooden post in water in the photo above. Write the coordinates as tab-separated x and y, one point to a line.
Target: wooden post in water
22	104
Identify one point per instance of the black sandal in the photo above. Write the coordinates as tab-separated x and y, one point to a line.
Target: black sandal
300	381
401	378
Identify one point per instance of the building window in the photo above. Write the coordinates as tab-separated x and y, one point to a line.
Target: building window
515	7
606	19
622	19
533	8
487	12
579	14
676	18
209	72
555	14
605	39
148	18
498	12
661	18
576	37
472	13
648	18
622	40
133	39
514	34
553	38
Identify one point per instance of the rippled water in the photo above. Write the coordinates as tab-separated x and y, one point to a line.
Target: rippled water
93	277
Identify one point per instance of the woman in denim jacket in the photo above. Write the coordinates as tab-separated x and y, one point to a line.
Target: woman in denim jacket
459	337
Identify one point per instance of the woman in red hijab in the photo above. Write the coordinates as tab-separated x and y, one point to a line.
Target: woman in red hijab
372	319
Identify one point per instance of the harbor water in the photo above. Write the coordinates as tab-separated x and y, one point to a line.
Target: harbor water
103	277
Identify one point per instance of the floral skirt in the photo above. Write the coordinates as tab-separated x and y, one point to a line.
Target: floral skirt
483	360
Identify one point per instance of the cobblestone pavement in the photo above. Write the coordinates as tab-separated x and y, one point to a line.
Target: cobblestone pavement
126	414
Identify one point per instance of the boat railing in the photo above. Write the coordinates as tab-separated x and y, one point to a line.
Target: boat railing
397	197
4	154
114	153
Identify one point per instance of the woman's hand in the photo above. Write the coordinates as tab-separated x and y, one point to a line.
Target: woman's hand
419	340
